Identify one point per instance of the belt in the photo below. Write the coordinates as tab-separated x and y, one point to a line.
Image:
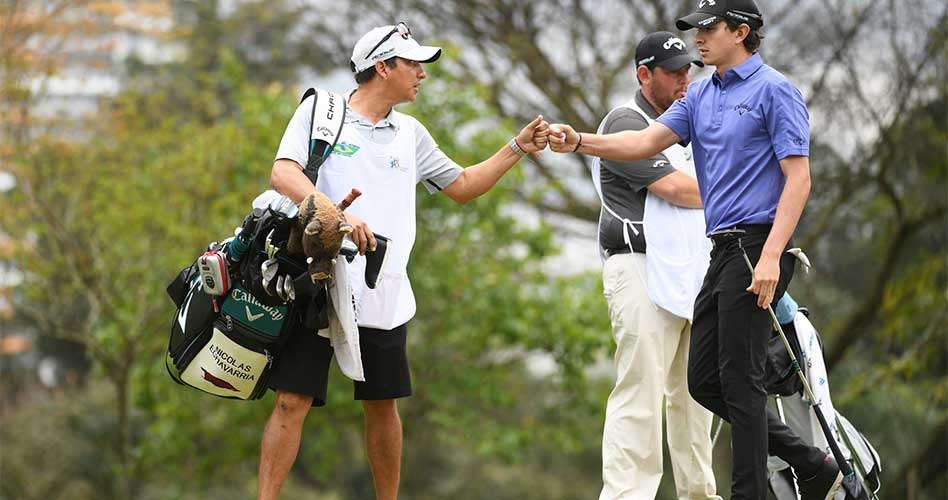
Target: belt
616	251
733	233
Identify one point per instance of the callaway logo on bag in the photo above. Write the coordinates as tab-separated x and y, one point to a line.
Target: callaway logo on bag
251	316
263	320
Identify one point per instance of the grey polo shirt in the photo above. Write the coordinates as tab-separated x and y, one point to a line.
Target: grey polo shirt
435	170
625	184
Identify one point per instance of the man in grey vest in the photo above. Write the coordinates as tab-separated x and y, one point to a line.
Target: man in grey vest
653	205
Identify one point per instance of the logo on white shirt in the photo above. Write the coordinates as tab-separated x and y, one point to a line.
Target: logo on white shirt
345	149
394	164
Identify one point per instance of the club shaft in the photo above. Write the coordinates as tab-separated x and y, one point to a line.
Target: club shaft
837	453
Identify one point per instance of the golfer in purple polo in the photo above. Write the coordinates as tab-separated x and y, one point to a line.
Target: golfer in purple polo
748	127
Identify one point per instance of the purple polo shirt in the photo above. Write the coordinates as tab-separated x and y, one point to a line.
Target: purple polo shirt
739	129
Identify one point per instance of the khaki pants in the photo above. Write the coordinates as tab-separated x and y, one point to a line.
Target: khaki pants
651	363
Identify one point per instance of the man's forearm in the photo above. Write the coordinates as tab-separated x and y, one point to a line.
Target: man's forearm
796	190
627	145
679	189
687	199
480	178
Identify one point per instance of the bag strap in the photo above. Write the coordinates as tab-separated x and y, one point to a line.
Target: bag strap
328	116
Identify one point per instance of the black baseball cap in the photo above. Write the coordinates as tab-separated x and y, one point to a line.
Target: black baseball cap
665	50
713	11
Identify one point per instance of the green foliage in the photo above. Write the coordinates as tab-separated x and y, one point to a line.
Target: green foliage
61	435
126	209
505	406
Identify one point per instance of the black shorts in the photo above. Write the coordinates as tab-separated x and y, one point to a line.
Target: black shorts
303	367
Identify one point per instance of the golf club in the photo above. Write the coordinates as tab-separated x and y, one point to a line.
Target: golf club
850	482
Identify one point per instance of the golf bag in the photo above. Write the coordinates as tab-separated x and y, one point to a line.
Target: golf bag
226	345
797	412
238	302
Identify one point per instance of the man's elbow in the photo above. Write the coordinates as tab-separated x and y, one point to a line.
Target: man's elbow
274	179
801	179
279	177
461	198
461	190
673	193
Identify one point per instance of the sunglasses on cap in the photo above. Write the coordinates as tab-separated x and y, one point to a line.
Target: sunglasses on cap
400	28
755	21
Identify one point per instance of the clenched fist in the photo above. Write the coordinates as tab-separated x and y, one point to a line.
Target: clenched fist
533	138
563	139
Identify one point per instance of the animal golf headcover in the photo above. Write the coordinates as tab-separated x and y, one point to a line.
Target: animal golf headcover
319	231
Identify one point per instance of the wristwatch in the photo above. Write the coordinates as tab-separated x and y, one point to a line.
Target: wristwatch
516	148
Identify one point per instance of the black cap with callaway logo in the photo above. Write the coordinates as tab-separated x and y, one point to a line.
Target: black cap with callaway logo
665	50
713	11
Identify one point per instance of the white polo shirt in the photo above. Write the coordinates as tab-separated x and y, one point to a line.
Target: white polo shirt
385	161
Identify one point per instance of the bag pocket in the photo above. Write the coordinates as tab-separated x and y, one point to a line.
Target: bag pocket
228	364
256	319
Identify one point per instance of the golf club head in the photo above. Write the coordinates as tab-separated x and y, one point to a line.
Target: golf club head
286	287
804	261
268	271
271	249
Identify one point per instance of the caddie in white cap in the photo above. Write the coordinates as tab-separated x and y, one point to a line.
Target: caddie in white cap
384	154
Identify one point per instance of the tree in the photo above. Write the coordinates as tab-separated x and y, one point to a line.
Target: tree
200	133
122	210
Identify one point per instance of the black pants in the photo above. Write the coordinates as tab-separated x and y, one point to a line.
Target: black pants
726	364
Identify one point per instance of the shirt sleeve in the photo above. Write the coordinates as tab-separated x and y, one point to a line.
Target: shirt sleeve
295	142
788	121
678	119
638	174
435	170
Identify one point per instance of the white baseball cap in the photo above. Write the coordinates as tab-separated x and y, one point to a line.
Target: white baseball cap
384	42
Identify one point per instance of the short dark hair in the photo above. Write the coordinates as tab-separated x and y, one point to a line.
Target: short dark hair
369	73
752	40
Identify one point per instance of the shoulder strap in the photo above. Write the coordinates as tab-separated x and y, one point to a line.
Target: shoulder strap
328	116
